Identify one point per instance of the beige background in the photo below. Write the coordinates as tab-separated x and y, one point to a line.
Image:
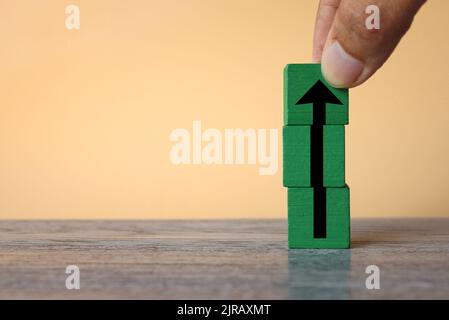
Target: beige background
85	115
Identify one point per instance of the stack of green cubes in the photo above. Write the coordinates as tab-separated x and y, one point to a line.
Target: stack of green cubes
298	120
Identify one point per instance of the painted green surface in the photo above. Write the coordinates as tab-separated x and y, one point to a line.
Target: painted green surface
334	156
300	219
298	79
296	156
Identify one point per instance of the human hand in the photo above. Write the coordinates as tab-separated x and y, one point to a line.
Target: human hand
349	52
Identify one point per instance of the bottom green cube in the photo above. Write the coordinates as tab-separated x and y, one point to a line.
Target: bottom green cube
301	219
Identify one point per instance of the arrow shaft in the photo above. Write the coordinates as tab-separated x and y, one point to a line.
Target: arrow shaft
316	169
319	114
319	213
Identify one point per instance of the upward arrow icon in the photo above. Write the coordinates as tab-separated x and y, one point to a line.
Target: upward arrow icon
319	94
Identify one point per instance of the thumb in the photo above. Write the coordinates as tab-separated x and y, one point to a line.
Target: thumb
354	50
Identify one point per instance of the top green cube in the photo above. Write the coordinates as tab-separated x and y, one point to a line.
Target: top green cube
298	80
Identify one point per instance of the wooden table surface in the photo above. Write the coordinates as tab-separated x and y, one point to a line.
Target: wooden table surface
229	259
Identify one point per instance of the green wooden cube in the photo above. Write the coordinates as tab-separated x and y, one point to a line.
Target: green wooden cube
334	156
301	219
297	156
298	79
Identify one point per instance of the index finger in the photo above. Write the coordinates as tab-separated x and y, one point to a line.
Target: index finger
324	19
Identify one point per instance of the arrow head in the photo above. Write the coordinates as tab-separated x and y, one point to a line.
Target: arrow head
319	92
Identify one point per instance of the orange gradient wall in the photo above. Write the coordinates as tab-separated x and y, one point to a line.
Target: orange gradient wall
85	116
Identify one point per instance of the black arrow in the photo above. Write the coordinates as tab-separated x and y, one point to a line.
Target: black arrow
318	95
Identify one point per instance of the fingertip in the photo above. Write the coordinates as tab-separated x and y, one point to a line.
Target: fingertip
339	68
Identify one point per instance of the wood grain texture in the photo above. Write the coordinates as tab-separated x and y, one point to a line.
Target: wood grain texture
298	79
301	218
334	156
296	156
234	259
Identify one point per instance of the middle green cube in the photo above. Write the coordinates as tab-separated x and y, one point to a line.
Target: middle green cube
296	156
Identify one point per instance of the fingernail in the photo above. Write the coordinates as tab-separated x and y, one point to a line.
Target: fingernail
339	68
